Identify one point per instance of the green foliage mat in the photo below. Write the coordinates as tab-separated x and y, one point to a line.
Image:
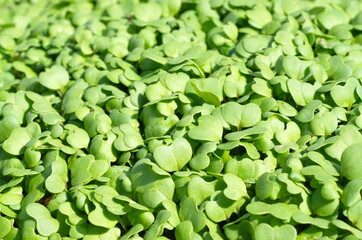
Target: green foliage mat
180	119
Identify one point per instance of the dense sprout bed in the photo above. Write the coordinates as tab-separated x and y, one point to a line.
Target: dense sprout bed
180	119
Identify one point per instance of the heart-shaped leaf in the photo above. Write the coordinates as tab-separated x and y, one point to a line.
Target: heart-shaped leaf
241	116
189	211
55	78
345	96
45	224
209	129
19	137
174	157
